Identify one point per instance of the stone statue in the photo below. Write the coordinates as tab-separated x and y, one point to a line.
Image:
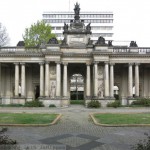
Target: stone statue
88	28
63	42
77	9
133	44
21	43
65	27
101	41
19	90
100	90
90	42
53	41
52	90
110	43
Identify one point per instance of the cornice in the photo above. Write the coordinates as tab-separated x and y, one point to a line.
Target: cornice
110	54
21	55
130	55
42	54
76	55
52	53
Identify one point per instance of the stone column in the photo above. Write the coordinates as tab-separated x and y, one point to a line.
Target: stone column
137	79
88	81
65	79
47	81
111	80
106	79
130	80
58	79
95	79
41	79
16	79
23	86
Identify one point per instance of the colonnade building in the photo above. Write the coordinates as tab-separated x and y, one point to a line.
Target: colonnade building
44	73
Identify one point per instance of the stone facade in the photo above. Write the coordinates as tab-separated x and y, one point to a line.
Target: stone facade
45	72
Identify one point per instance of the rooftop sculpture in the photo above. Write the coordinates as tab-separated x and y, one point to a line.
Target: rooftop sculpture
77	11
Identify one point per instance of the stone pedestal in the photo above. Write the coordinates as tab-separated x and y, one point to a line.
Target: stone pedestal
19	100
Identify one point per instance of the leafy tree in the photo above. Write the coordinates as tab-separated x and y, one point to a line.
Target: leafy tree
38	33
4	39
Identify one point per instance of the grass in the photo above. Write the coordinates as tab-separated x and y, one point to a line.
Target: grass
22	118
141	118
81	102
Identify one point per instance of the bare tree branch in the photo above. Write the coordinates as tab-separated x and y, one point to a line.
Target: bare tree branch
4	38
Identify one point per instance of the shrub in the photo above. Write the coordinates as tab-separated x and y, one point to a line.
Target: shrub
114	104
142	145
141	102
94	104
4	139
52	105
11	105
34	103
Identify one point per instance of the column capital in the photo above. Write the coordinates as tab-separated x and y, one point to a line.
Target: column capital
106	62
58	62
130	64
22	63
95	62
137	64
65	63
41	63
112	64
47	62
16	63
88	63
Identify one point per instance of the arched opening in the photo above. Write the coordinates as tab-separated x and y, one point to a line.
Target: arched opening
76	87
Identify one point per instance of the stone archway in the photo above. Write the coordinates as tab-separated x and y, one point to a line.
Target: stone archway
76	87
77	72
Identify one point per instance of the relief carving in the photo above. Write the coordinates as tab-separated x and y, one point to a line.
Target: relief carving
53	89
100	72
53	70
100	93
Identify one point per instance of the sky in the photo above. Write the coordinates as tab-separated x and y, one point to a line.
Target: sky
131	17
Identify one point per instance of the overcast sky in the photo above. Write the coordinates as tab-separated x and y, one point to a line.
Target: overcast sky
131	17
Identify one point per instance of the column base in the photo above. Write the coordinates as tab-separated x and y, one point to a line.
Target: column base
65	102
18	100
57	101
109	98
88	98
136	96
94	98
130	100
130	97
47	101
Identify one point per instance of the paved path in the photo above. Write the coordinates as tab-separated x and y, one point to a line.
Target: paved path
77	131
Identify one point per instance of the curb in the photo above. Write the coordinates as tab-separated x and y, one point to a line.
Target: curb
115	125
35	125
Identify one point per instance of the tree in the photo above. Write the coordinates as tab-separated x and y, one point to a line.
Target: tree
4	39
38	33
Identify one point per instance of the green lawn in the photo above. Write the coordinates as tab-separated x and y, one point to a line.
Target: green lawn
26	118
81	102
142	118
